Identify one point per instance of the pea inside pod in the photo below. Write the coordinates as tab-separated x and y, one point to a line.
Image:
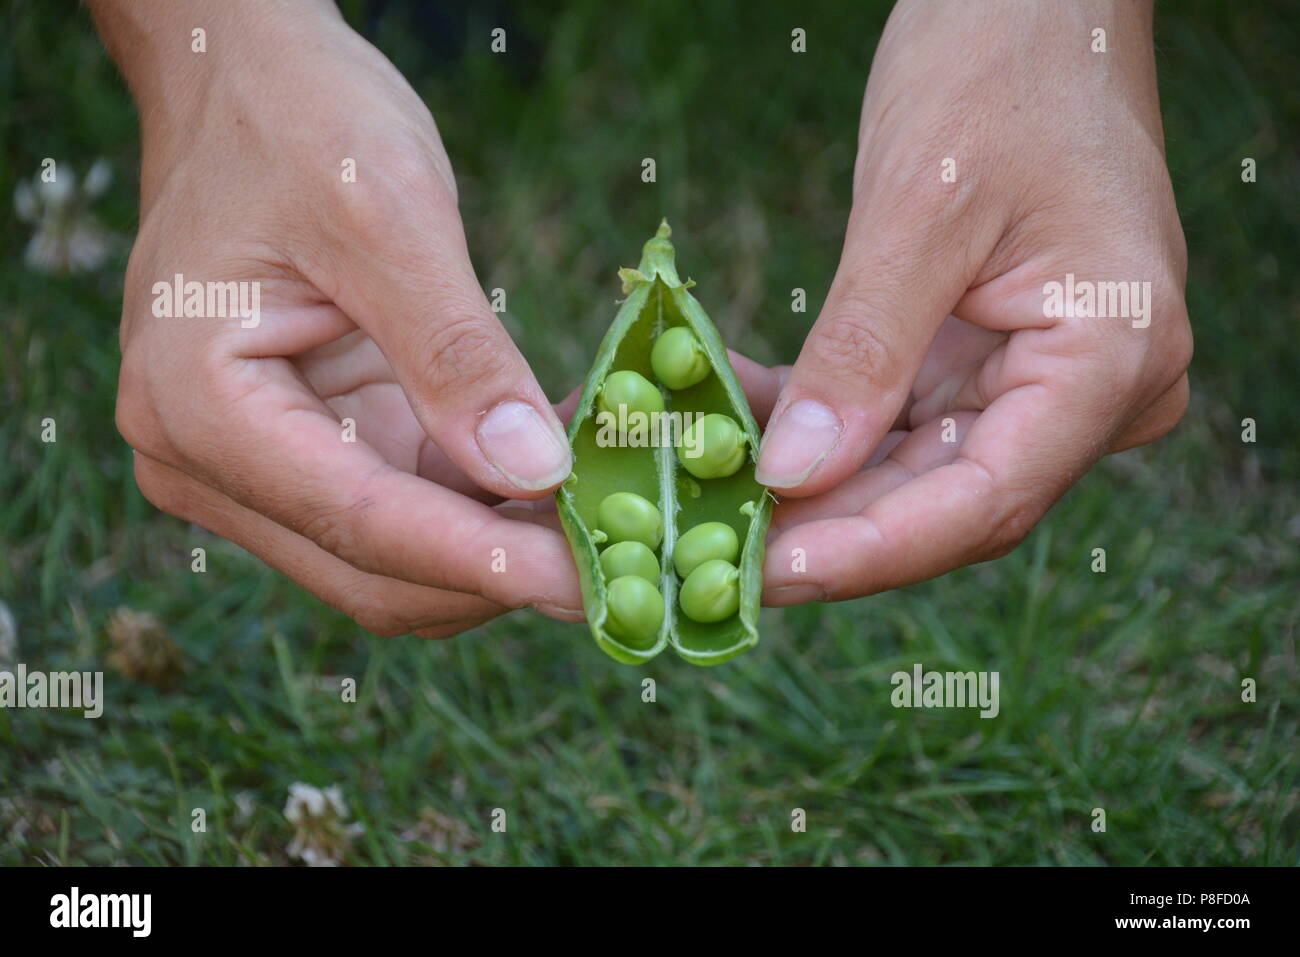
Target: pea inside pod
666	508
630	392
711	592
678	359
628	517
635	611
712	447
705	542
630	558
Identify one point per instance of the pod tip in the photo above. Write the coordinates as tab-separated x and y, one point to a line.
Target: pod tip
657	257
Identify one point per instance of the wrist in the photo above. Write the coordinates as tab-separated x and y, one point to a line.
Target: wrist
172	69
1000	55
994	27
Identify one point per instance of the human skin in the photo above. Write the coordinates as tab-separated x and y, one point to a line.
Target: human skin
936	310
370	310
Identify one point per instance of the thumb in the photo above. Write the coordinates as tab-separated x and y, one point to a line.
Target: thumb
891	293
412	288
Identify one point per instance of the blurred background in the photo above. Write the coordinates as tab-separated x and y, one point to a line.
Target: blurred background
1119	690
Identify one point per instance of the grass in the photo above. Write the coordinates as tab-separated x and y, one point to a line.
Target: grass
1119	691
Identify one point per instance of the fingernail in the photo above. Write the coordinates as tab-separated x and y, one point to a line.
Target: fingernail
551	610
783	595
529	452
803	436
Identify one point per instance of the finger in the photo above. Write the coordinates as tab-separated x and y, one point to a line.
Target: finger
760	383
539	512
448	630
902	456
565	408
403	273
383	606
435	466
958	345
971	392
1157	420
959	349
968	390
279	451
1049	423
895	285
355	381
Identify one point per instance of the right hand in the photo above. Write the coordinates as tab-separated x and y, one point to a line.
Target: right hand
370	310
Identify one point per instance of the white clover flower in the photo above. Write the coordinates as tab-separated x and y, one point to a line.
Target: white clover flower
68	236
60	191
321	835
245	805
98	178
26	205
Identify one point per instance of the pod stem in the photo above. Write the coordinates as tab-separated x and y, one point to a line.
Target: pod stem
658	258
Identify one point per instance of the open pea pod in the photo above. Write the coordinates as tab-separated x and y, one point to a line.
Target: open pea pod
609	461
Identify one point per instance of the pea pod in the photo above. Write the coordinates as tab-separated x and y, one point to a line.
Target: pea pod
686	494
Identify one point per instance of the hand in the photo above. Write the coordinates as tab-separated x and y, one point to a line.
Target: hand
369	310
937	309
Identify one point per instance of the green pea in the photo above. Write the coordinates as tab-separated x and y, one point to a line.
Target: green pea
713	447
678	359
635	611
627	517
704	543
711	592
630	558
699	512
633	391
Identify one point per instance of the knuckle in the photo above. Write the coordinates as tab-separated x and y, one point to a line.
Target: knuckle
1004	539
461	352
367	607
1168	335
135	413
1179	345
162	493
1178	407
1173	408
912	184
410	167
131	413
342	524
338	528
851	340
904	180
406	182
1010	530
